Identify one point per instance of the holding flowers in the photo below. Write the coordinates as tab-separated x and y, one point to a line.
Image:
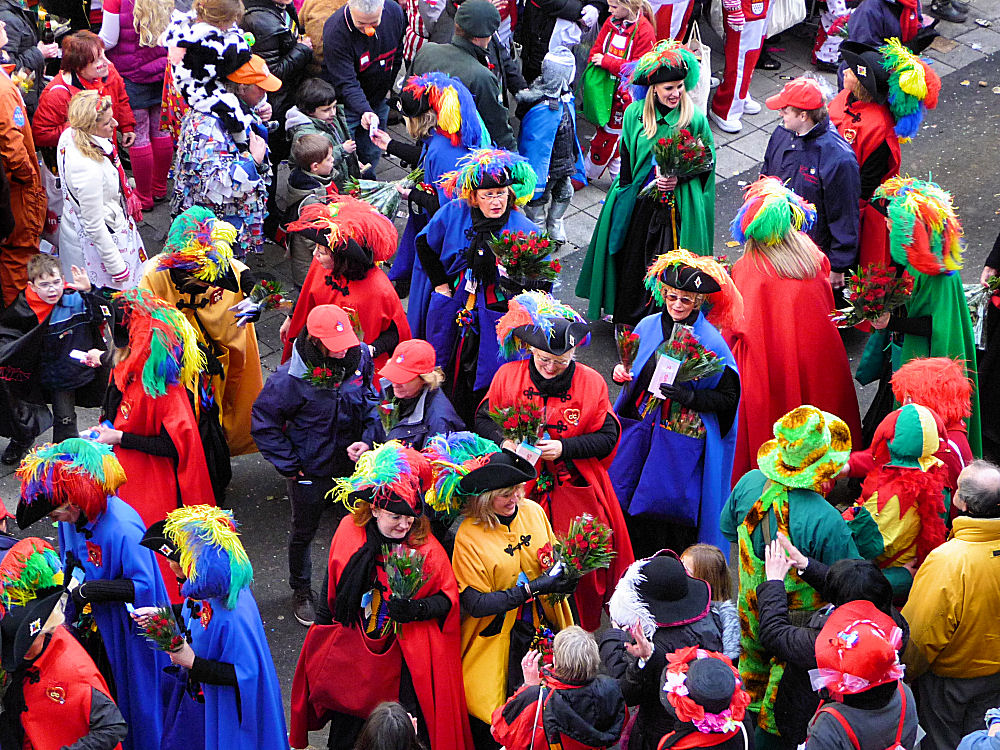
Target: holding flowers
523	259
873	292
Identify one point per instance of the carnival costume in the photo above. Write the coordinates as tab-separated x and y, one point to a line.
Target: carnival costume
104	543
632	229
792	365
745	27
198	247
676	454
388	642
359	238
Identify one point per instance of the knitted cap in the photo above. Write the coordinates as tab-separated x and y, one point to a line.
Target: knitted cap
914	439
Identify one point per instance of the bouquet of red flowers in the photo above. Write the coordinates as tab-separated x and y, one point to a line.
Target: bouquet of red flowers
524	258
322	376
680	155
872	292
161	630
627	342
404	570
270	295
695	360
388	412
520	423
585	547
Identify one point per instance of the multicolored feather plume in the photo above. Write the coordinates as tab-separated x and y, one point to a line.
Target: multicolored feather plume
769	212
453	455
669	54
925	233
30	565
727	303
78	471
389	471
345	218
212	556
913	87
200	244
532	309
453	104
496	162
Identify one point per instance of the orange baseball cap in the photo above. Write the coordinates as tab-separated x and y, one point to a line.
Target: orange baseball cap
331	325
411	359
801	93
255	72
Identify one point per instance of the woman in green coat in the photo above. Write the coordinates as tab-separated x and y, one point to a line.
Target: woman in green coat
634	229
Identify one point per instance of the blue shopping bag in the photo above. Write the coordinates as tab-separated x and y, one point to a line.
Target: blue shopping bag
633	448
670	484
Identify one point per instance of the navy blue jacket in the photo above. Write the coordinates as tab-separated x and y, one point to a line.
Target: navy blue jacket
432	415
300	427
363	68
821	167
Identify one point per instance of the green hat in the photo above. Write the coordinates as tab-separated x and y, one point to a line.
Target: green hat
810	448
478	18
914	438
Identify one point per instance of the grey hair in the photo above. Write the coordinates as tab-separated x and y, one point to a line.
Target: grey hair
575	655
366	6
979	489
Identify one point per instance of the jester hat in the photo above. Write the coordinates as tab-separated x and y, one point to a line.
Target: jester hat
162	345
940	383
769	212
452	455
490	168
78	471
539	320
701	274
391	477
913	87
201	245
451	101
925	231
340	220
211	554
668	61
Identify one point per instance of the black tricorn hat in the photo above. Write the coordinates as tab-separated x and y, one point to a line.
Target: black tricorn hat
689	279
22	624
565	335
28	513
672	596
502	469
866	63
157	540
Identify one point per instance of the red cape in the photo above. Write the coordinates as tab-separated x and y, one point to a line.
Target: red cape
584	412
373	298
431	651
789	354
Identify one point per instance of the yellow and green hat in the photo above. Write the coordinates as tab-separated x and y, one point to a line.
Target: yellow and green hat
809	448
914	438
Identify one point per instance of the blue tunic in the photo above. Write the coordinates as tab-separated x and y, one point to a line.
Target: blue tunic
108	548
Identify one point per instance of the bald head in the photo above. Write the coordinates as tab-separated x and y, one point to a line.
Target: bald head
978	493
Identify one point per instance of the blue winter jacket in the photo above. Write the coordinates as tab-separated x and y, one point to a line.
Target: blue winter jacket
432	415
821	167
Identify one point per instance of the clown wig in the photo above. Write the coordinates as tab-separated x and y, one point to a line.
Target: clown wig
939	383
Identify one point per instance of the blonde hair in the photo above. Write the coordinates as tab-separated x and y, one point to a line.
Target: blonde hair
86	108
362	515
649	126
709	564
575	655
480	507
219	13
794	257
150	18
433	379
422	125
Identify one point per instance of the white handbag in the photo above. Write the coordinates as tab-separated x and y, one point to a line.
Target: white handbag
704	53
783	14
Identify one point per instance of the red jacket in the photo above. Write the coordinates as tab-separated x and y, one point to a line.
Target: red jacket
53	105
638	40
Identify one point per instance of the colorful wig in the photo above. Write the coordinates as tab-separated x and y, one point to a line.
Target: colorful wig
667	54
769	212
453	104
532	309
30	565
939	383
78	471
199	244
727	303
162	345
212	556
502	166
392	473
344	218
913	87
453	455
925	231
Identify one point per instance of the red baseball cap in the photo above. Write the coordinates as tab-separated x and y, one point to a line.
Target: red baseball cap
411	359
331	325
801	93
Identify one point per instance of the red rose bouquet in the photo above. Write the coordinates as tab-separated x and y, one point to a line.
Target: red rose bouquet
521	423
586	547
322	376
161	630
525	257
627	342
680	155
695	360
872	292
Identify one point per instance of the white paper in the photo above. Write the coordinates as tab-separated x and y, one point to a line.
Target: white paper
664	374
471	285
78	355
528	452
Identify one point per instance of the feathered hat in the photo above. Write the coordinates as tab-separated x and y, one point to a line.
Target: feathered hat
451	101
487	168
201	245
539	320
701	274
78	471
338	220
669	60
163	346
925	231
30	566
211	554
940	383
913	87
392	477
769	212
452	455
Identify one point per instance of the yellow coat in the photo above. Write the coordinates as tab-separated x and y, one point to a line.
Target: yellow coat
236	349
482	561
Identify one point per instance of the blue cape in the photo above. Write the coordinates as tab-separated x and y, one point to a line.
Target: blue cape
537	136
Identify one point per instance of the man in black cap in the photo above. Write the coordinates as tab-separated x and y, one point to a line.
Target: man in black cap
475	57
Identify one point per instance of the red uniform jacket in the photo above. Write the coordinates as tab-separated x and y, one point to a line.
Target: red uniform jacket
53	105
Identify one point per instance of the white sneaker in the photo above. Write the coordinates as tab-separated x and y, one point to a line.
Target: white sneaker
751	106
713	82
732	125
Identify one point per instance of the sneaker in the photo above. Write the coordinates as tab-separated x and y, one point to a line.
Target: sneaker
304	610
13	453
732	125
751	106
713	82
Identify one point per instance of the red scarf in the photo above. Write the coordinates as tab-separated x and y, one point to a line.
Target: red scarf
909	20
132	204
38	306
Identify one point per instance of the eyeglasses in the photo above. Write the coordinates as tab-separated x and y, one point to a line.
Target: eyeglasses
551	362
670	297
57	284
493	197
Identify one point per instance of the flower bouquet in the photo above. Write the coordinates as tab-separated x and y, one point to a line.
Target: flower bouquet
161	630
627	343
383	196
872	292
524	261
388	412
586	547
680	155
322	376
352	316
404	571
693	361
684	421
24	80
270	295
522	425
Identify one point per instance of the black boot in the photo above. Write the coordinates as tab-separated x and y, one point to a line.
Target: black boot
960	5
766	61
944	10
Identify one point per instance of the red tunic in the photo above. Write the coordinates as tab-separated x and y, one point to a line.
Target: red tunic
584	411
431	652
373	298
789	353
58	702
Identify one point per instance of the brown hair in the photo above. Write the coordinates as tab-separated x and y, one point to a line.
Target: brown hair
420	126
41	264
511	197
79	50
362	514
309	149
818	115
480	507
219	13
709	564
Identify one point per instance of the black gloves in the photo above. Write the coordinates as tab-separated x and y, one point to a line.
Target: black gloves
552	584
407	610
682	396
116	590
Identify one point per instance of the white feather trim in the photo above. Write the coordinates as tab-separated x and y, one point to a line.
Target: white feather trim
626	607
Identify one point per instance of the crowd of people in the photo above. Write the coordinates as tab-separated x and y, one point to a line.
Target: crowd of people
727	554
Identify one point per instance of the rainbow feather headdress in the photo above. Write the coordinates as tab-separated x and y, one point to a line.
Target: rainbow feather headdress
913	87
163	346
199	244
536	309
727	303
501	165
342	218
453	104
769	212
667	54
78	471
393	475
212	556
453	455
925	230
30	566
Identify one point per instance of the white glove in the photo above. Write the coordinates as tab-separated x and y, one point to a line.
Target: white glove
589	16
246	311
